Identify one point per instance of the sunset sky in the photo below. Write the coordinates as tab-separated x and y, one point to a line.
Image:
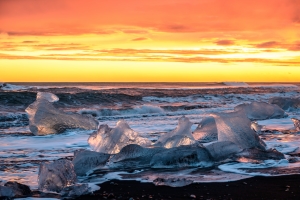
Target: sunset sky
149	40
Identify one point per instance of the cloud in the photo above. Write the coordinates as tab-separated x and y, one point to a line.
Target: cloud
139	39
270	44
152	58
295	47
163	52
29	41
224	42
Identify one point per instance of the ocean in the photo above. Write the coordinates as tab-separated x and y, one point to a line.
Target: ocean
151	109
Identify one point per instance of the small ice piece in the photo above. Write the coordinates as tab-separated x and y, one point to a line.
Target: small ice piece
112	140
236	127
134	155
47	96
261	110
256	127
45	119
85	160
285	103
296	124
222	150
19	189
75	190
181	135
206	130
56	175
6	192
173	182
182	156
254	155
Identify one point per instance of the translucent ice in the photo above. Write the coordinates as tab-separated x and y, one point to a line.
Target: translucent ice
45	119
183	156
47	96
206	130
112	140
296	124
285	102
254	155
261	110
182	135
75	190
85	160
256	127
236	127
134	155
56	175
222	150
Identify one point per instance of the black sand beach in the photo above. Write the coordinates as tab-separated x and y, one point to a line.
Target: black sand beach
281	187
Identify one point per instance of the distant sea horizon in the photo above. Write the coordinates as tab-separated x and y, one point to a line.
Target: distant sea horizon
153	84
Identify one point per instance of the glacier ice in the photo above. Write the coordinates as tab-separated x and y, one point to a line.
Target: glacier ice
47	96
85	160
222	150
236	127
182	156
134	155
45	119
296	124
56	175
254	155
75	190
181	135
206	130
285	102
112	140
19	189
256	127
261	110
6	192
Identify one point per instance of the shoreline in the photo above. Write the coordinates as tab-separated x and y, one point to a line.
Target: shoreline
259	187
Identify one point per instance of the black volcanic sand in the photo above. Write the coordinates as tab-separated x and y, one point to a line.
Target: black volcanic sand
281	187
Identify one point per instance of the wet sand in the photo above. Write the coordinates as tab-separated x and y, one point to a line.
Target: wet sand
281	187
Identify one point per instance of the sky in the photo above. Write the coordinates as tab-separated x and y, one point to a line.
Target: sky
149	41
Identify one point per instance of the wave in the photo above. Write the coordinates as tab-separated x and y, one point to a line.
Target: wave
13	120
138	110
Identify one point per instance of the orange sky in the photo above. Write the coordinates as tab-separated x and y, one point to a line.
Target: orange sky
135	40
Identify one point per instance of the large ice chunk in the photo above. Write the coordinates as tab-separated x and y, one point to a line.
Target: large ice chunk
285	102
181	135
261	110
183	156
206	130
134	156
236	127
85	160
56	175
222	150
112	140
45	119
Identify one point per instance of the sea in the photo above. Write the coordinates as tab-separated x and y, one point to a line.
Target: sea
151	109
